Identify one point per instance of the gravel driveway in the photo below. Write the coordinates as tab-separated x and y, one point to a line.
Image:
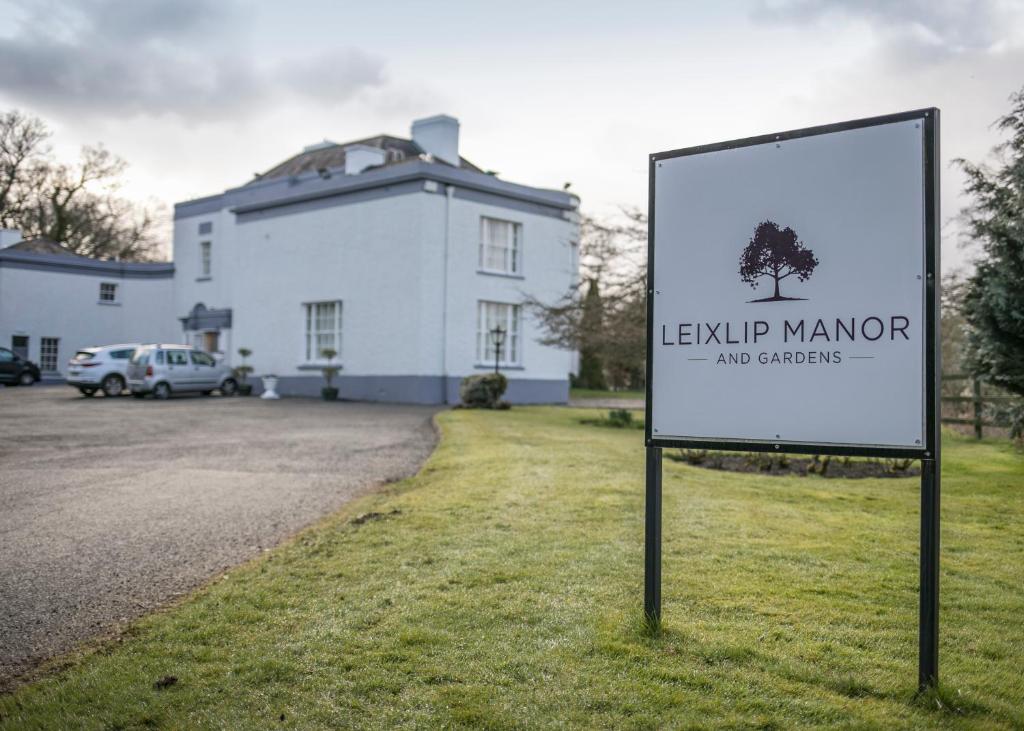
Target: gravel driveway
111	507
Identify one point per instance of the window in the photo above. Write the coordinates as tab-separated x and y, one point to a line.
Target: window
202	359
205	228
323	329
205	260
177	358
48	354
121	354
19	344
108	292
500	246
6	356
489	316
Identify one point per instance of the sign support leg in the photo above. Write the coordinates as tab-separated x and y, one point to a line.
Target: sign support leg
928	652
652	538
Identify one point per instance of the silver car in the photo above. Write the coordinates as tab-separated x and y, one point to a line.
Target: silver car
165	369
101	369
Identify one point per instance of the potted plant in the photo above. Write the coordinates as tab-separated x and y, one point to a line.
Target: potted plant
242	373
329	392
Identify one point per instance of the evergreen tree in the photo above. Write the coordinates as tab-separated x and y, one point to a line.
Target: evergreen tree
994	295
591	321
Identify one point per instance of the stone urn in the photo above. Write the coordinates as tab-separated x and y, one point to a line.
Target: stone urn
269	387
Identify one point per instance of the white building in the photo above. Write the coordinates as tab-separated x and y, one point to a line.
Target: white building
52	302
397	253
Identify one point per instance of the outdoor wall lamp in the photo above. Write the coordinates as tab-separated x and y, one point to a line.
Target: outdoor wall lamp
497	336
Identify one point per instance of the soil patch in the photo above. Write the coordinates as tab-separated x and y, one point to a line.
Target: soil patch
783	465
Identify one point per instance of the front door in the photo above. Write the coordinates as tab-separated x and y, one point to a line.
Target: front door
19	344
211	342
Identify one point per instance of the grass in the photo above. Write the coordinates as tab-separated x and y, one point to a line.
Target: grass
583	394
501	588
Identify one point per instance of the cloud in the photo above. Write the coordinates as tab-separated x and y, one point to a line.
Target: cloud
139	57
912	32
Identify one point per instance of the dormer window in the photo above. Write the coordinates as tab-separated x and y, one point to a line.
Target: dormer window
395	155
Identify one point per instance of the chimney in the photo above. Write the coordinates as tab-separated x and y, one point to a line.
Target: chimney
439	136
360	157
9	237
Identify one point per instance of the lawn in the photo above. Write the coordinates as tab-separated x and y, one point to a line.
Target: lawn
501	588
591	393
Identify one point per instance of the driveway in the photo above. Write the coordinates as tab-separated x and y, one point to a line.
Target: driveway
112	507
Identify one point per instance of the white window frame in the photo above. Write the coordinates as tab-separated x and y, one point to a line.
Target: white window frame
205	259
490	314
512	257
317	326
113	299
44	344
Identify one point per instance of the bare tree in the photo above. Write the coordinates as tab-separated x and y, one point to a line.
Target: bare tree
613	273
23	152
78	205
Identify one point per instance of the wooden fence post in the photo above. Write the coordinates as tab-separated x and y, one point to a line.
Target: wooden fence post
977	409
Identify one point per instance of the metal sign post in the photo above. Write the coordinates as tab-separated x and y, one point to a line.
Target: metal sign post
796	277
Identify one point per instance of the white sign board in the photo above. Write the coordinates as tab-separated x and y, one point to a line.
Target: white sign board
791	290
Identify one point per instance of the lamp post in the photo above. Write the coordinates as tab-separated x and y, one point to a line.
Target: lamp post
497	336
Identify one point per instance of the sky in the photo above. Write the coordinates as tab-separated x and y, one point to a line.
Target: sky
198	95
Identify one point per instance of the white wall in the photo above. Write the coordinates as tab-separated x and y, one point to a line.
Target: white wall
190	288
369	255
384	259
547	270
66	305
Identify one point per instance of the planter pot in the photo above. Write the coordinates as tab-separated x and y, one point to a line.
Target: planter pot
269	384
244	389
329	393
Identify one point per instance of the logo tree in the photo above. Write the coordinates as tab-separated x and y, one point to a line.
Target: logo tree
775	253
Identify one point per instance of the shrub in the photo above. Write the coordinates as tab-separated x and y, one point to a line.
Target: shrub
621	418
484	391
693	456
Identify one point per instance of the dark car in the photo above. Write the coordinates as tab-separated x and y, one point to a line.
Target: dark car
15	370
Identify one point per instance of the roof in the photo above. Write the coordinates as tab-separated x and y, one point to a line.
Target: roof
332	156
45	254
40	245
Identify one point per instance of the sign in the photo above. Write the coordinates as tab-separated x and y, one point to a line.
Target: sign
793	306
792	279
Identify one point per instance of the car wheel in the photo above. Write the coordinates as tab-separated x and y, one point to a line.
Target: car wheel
26	379
229	387
161	391
88	391
113	385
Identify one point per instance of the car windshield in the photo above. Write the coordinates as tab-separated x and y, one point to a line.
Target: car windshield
84	355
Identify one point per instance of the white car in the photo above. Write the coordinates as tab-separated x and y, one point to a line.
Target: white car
104	368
